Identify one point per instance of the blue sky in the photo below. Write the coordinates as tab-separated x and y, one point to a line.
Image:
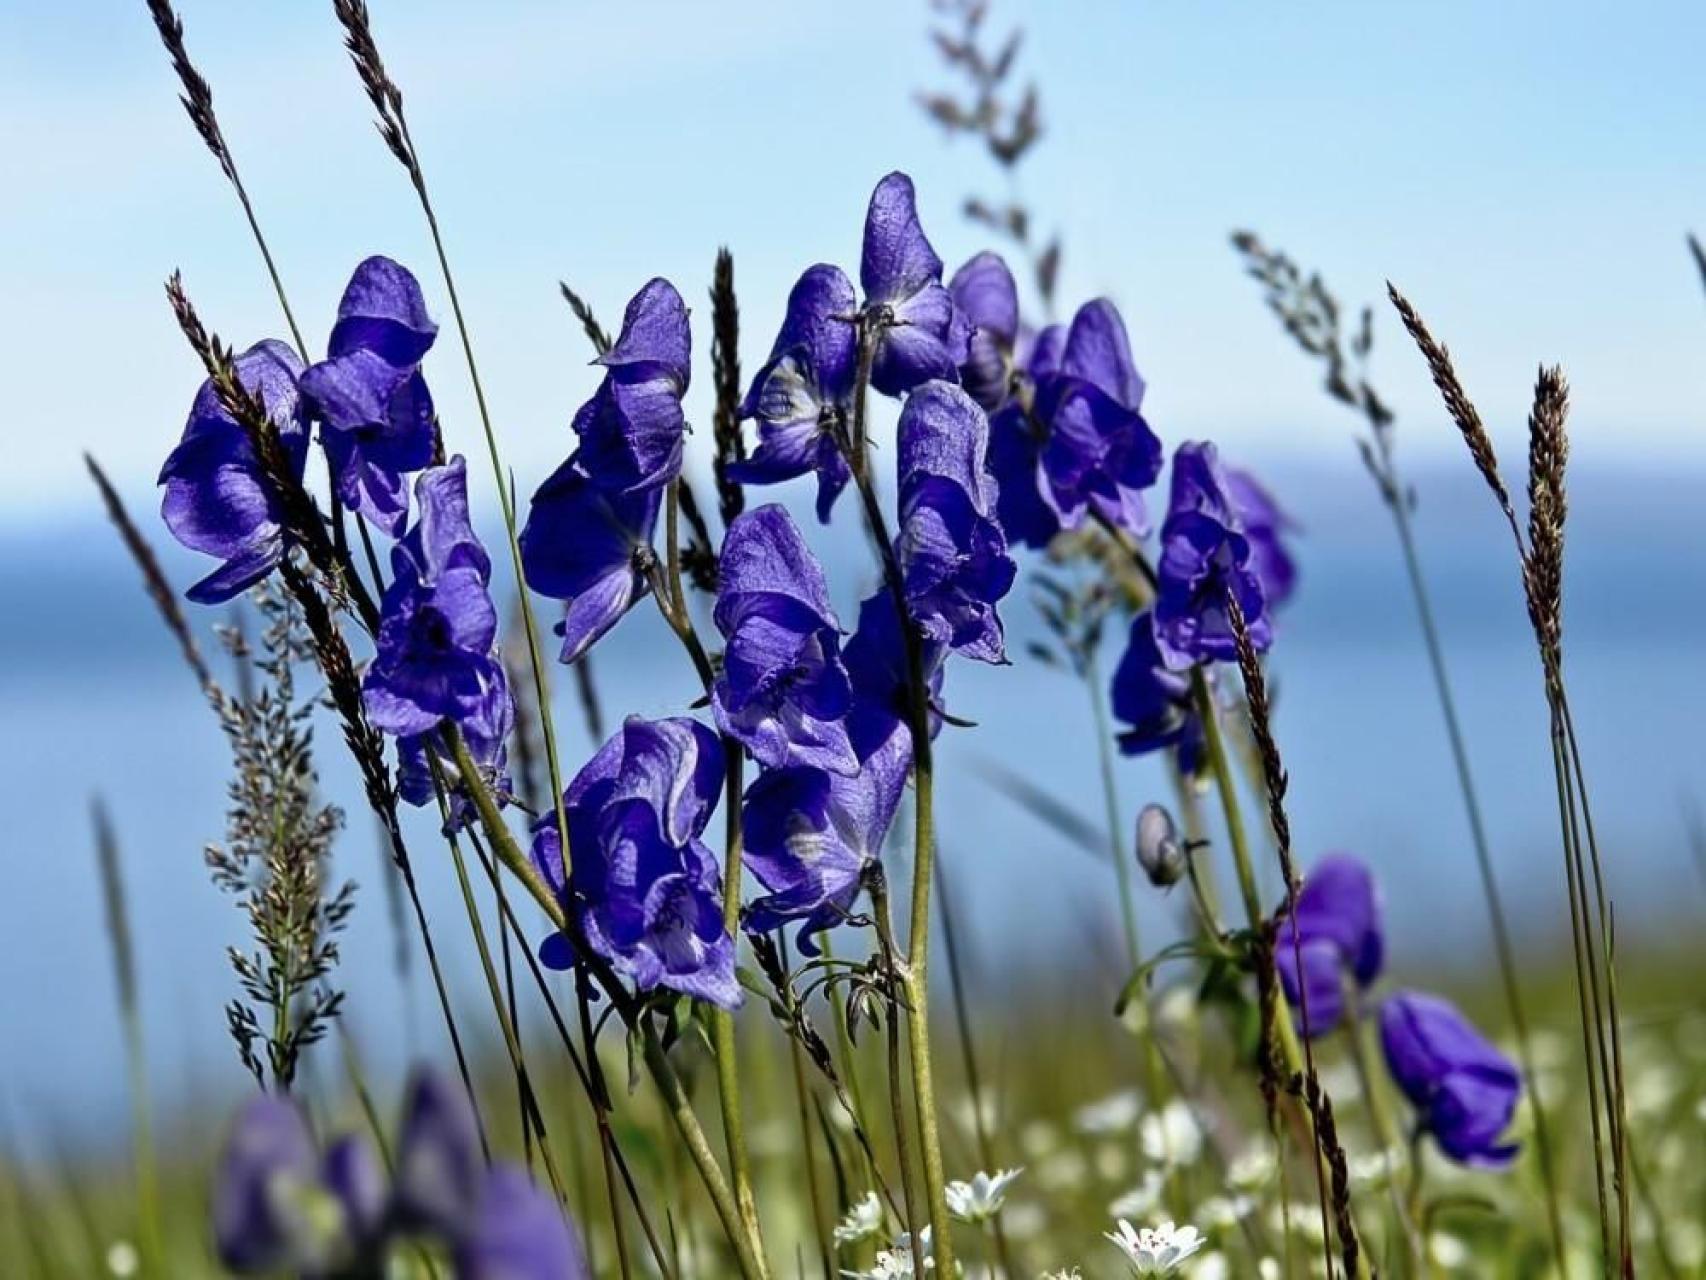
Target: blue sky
1526	170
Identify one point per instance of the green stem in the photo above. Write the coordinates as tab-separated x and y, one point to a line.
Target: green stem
1385	1132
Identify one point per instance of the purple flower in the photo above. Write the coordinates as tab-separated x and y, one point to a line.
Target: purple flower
440	1164
984	290
953	554
485	733
803	387
646	891
631	430
1337	944
810	836
277	1206
1205	560
518	1233
217	501
1264	524
1155	701
920	333
875	657
373	405
1463	1088
783	691
437	622
1084	446
585	545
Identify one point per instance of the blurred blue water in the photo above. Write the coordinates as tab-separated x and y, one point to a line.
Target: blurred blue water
95	700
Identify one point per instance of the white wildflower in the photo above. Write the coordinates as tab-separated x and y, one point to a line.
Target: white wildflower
1225	1211
1172	1136
1113	1114
980	1199
1211	1266
1065	1170
864	1219
1141	1199
1447	1250
1177	1007
1251	1168
1037	1138
1112	1160
1155	1251
1023	1220
123	1260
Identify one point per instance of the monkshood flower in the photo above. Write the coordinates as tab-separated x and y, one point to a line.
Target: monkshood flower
518	1233
1337	946
1084	446
783	691
631	430
1264	523
801	391
920	334
1464	1090
1156	1251
646	891
810	836
434	659
984	290
374	409
586	546
486	735
1155	702
953	555
277	1204
217	502
980	1199
440	1164
1205	560
875	656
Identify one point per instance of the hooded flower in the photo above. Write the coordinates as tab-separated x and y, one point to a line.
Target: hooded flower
1264	523
646	888
217	501
518	1233
583	544
373	405
876	665
435	660
803	386
278	1206
921	333
485	732
1338	937
1156	703
1205	559
631	430
984	290
440	1165
953	554
810	836
783	690
1464	1090
1084	446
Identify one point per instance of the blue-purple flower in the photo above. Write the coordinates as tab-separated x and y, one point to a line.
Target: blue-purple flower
518	1233
1464	1090
804	387
1337	947
440	1164
1155	702
984	290
646	892
810	835
920	334
435	659
783	691
953	555
374	409
217	501
1265	524
631	430
875	657
1084	446
1206	559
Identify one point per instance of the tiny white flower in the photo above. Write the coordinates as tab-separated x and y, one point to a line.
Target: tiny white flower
1023	1220
1211	1266
1172	1135
1065	1170
1062	1274
1225	1211
123	1260
1251	1168
1112	1160
1155	1251
1113	1114
864	1219
896	1262
1447	1250
1141	1199
980	1199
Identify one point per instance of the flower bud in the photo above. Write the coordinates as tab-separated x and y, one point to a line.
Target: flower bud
1159	851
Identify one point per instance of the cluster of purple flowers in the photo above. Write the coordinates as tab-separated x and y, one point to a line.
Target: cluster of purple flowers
436	660
281	1205
1463	1089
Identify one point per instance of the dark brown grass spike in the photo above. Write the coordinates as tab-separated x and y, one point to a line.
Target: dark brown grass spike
197	94
725	374
1548	455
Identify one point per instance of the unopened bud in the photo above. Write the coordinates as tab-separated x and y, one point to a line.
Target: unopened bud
1159	851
